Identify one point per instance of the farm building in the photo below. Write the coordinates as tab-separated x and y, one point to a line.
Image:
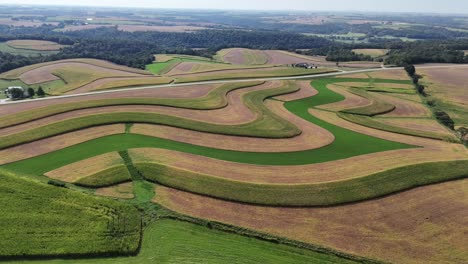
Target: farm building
305	65
14	92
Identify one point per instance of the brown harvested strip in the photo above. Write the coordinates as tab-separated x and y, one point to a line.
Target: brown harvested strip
312	136
424	225
83	168
182	68
45	73
306	90
15	74
376	85
390	75
98	84
351	100
410	97
235	56
189	91
429	125
226	71
121	191
281	57
448	84
312	173
51	144
236	112
403	108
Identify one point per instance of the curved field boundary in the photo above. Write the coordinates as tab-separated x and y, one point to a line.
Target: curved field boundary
100	171
108	177
374	123
215	99
325	194
16	73
266	125
40	45
347	143
376	107
254	73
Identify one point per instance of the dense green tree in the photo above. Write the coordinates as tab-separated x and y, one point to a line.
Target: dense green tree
31	92
40	92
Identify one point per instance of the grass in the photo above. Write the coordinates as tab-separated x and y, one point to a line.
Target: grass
42	220
323	194
172	241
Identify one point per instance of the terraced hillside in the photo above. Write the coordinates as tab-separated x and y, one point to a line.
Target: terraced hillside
335	160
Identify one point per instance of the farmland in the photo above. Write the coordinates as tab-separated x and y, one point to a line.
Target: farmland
167	162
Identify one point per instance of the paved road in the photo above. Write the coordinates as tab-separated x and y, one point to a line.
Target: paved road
231	81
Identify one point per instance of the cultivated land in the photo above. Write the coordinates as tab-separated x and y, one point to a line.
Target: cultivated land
40	45
363	150
448	88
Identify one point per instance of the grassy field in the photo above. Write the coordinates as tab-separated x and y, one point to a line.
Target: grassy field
372	52
172	241
39	45
376	107
41	220
4	47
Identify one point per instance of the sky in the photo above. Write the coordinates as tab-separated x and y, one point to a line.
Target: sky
417	6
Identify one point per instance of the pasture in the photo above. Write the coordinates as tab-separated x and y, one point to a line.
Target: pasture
372	52
39	45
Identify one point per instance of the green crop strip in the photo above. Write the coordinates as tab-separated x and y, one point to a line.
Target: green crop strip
347	143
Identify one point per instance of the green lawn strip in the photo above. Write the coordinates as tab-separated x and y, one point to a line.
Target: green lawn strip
266	125
323	194
142	190
173	241
215	99
377	106
42	220
374	123
108	177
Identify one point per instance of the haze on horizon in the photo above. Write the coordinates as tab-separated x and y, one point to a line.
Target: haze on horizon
416	6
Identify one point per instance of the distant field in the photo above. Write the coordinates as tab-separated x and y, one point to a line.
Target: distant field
138	28
372	52
39	45
63	76
4	47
